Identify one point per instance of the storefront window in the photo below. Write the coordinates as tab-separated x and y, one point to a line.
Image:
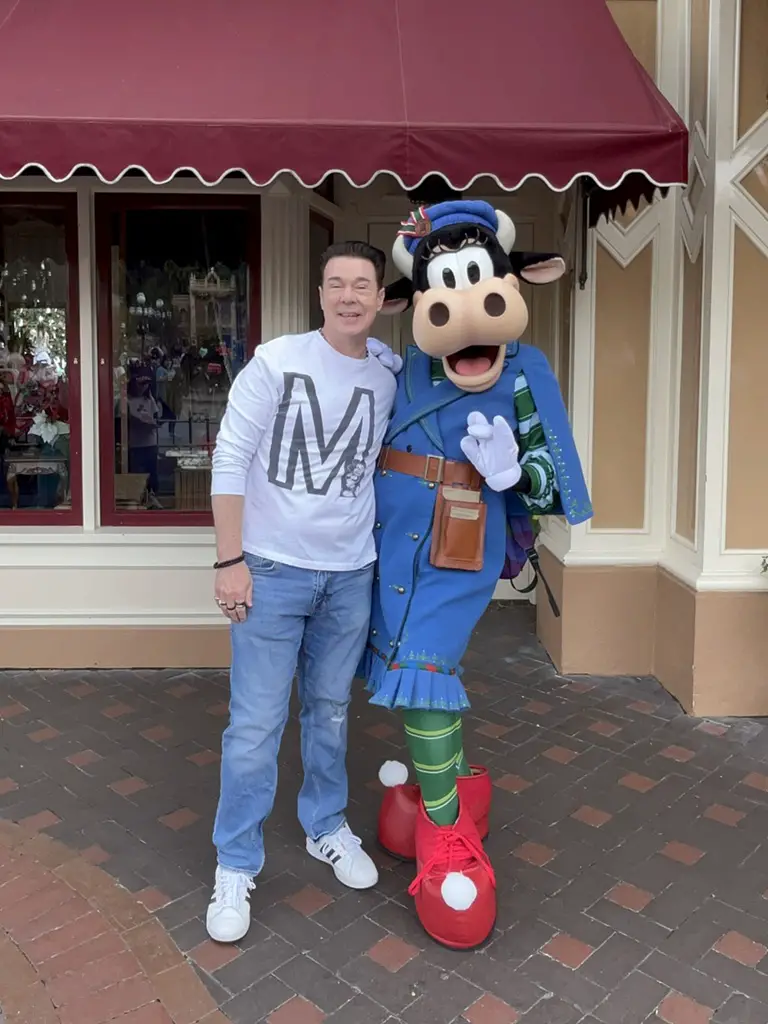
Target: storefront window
320	237
39	383
178	315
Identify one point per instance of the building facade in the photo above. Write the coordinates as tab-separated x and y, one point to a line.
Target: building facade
129	307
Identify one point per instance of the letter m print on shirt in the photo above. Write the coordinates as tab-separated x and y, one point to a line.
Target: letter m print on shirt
298	443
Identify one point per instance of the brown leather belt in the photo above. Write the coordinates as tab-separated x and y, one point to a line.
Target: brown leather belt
433	468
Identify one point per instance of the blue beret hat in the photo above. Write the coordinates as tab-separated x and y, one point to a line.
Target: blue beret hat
427	219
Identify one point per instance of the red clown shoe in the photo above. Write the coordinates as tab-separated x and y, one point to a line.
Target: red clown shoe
400	807
455	888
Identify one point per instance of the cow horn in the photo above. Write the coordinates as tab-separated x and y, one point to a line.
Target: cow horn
506	231
402	258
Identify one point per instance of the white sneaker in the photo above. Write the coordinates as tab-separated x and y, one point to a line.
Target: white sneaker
344	852
229	912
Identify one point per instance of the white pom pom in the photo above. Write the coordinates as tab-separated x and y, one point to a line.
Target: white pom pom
393	773
458	891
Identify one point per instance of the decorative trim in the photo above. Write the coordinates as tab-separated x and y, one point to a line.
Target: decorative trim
462	186
734	580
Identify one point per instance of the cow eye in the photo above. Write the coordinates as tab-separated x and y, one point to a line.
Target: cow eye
443	271
474	265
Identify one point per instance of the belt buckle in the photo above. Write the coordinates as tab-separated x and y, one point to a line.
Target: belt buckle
440	460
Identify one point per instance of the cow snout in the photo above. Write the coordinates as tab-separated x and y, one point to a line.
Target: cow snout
495	305
445	320
439	314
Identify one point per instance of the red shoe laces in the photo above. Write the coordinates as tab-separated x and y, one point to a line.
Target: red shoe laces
453	852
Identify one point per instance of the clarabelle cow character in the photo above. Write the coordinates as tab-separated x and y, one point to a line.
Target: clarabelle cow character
479	439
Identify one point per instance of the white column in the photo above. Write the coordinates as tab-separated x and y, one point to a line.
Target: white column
284	263
725	161
89	403
656	225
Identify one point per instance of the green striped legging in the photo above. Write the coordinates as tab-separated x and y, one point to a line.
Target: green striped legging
435	745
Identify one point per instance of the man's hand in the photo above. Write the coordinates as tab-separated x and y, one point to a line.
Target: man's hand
493	451
233	591
385	355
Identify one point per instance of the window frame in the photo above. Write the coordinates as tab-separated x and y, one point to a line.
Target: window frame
321	220
66	202
106	204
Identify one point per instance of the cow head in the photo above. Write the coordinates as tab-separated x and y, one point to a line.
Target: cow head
464	283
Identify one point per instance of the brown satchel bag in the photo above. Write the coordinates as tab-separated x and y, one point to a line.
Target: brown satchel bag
458	529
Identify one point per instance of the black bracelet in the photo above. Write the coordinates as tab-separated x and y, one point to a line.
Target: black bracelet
230	561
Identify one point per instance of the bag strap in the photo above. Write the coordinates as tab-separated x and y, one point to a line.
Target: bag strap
533	557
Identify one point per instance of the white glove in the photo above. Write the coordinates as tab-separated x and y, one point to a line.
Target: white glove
391	360
492	450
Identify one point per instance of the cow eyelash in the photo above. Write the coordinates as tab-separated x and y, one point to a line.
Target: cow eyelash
471	238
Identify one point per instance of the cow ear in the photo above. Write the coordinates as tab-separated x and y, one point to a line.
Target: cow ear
397	297
537	267
390	307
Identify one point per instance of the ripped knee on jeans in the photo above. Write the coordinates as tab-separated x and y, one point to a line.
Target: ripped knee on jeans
338	711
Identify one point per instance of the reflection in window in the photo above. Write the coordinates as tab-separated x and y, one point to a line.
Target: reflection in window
34	384
180	311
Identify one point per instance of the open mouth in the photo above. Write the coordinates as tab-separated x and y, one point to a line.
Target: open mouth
473	361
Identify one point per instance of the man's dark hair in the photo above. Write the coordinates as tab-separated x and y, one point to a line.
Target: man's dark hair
359	251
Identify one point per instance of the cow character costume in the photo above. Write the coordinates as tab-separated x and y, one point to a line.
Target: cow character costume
479	440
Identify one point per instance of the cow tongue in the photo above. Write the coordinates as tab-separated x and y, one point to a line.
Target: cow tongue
472	366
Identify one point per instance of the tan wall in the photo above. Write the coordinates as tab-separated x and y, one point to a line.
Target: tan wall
607	615
622	351
690	369
753	63
756	184
674	637
637	21
747	500
115	647
710	650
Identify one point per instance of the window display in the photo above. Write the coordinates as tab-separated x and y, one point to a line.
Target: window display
177	315
39	393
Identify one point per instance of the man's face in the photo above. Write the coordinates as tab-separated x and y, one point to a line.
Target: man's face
350	295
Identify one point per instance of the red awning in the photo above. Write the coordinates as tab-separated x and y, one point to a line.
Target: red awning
507	88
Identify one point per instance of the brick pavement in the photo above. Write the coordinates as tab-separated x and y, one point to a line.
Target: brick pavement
630	842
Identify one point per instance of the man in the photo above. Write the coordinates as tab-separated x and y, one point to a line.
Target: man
293	506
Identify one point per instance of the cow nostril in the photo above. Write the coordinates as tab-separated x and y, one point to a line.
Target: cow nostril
439	314
495	304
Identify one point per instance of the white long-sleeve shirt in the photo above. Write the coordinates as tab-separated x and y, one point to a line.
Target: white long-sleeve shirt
299	440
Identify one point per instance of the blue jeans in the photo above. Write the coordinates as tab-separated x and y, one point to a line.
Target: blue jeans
316	622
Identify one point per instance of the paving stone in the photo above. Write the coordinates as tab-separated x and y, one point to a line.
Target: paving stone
628	842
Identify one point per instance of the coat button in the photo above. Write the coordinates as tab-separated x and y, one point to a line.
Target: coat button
431	486
400	590
414	536
409	447
378	526
374	632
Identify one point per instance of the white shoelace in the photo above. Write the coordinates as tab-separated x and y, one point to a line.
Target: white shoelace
232	888
344	842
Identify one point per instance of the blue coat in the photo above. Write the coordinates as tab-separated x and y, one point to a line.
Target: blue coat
423	617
